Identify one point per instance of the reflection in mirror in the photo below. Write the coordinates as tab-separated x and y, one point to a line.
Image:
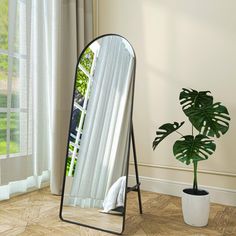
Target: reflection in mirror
94	190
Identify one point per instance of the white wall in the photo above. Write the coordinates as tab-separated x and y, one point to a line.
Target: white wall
178	43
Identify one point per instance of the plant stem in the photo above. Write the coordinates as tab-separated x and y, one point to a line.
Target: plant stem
195	187
179	133
192	130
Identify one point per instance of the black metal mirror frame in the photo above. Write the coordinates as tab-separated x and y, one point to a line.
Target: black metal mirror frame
131	138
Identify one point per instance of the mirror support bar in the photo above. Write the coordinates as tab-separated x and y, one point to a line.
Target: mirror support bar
136	187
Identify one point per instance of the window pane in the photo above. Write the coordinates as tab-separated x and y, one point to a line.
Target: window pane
20	28
87	59
15	84
14	133
17	27
80	87
3	133
3	80
3	24
15	99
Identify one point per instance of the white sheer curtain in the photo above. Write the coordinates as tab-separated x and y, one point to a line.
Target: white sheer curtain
54	58
47	33
104	142
17	166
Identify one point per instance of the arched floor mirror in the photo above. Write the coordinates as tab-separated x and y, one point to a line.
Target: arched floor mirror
95	182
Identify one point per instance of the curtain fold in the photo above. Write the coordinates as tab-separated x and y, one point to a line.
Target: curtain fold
105	137
84	19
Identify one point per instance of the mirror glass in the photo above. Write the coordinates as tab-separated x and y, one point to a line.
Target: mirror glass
94	188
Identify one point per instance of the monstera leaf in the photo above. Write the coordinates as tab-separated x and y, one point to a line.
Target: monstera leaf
211	120
164	130
192	98
207	117
190	148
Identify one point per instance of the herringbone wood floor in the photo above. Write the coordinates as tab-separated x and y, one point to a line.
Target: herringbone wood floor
36	213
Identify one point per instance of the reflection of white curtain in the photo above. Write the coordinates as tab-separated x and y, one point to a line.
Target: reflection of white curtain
104	143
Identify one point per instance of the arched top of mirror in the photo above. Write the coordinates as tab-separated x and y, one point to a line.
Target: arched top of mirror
94	45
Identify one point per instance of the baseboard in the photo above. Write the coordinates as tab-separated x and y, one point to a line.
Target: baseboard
217	195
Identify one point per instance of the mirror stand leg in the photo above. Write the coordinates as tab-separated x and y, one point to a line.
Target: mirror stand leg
136	170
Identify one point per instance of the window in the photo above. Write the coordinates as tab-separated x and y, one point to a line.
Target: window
15	102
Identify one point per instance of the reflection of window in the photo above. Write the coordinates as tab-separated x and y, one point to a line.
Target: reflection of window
83	86
14	85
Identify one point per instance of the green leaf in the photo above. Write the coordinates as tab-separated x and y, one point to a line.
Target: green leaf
190	148
211	120
208	118
192	98
164	130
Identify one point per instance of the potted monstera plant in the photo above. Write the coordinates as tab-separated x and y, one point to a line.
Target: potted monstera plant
209	120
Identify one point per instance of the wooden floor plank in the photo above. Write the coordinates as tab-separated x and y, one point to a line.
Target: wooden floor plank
36	213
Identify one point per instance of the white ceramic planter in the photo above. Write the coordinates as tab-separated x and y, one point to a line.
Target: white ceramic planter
195	209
